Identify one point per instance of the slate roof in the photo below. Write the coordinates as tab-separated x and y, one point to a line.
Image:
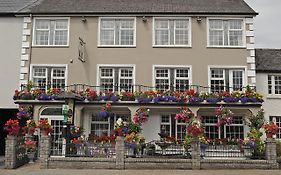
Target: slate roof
140	7
268	60
13	6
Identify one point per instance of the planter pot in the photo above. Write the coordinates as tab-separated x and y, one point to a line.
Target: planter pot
213	100
31	156
269	135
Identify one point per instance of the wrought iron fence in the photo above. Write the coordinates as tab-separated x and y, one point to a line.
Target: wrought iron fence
227	151
21	155
130	88
89	149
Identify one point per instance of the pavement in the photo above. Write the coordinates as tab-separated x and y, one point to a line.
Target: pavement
33	169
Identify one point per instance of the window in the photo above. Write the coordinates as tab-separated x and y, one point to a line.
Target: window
212	131
226	32
172	78
172	32
104	126
117	32
51	32
100	126
116	78
226	79
46	77
277	119
172	127
274	84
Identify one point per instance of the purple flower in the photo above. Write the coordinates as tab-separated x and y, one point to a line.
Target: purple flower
230	99
114	98
212	99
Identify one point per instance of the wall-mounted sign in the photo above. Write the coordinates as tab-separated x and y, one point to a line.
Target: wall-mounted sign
81	50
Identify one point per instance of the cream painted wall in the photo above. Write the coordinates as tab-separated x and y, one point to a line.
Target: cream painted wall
10	47
143	56
271	104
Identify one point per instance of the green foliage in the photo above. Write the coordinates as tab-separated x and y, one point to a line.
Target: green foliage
134	127
256	135
29	86
255	121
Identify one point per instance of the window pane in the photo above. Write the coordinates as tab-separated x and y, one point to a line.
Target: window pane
107	37
162	73
182	85
107	72
237	80
161	24
211	130
107	24
162	84
181	37
277	80
216	24
61	24
42	38
162	37
216	38
127	37
235	24
235	38
269	85
278	122
217	73
61	37
42	24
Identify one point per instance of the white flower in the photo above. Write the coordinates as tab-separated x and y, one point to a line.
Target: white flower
119	122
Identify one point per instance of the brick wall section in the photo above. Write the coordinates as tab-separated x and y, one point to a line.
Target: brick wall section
120	153
157	163
195	154
270	153
235	164
81	163
45	150
10	152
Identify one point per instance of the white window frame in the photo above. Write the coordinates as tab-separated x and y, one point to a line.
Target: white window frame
117	45
273	118
100	122
125	78
108	77
169	67
233	125
230	68
179	124
114	66
50	19
172	45
273	94
47	66
227	46
166	123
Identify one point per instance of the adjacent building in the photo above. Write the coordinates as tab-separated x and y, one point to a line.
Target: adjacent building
268	62
11	31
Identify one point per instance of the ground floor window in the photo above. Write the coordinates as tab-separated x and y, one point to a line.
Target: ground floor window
212	131
104	126
174	128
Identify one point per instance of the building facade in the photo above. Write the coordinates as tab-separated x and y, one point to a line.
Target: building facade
140	45
11	28
268	80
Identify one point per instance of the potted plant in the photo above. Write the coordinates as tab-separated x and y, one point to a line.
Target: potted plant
224	115
30	147
44	127
270	129
12	127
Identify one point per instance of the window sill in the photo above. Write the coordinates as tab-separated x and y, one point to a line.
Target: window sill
38	46
273	97
226	47
116	46
170	46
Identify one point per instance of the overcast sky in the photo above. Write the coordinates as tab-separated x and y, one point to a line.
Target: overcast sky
267	23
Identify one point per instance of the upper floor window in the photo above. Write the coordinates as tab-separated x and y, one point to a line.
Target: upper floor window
177	78
116	78
226	32
117	32
226	79
51	32
274	84
45	77
172	32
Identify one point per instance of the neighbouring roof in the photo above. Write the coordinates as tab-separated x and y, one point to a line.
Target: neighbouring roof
13	6
140	7
268	60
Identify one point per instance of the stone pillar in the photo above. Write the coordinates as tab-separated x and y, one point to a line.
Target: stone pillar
45	150
270	149
195	153
270	153
10	152
120	153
